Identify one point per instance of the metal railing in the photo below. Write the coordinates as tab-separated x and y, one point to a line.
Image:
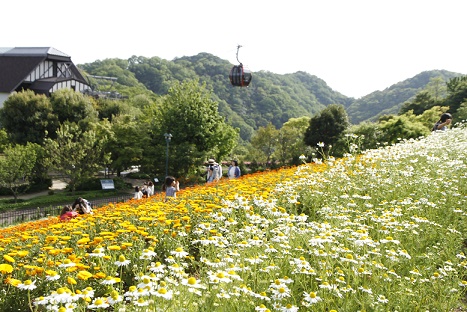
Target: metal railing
12	217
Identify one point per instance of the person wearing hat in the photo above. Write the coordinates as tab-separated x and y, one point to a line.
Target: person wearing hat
214	171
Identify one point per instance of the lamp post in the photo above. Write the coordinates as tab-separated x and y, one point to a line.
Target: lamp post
167	137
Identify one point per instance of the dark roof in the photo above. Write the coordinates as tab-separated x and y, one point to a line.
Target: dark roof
14	69
43	85
34	51
17	63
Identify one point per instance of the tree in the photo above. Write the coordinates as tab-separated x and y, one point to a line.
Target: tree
3	139
76	154
126	143
457	93
423	101
430	116
264	141
462	112
225	141
370	134
437	88
192	117
110	108
327	127
401	127
73	106
27	117
290	143
16	167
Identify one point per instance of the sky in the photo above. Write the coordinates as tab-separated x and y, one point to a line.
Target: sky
355	46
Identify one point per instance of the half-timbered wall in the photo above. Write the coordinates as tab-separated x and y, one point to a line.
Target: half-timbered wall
69	84
48	69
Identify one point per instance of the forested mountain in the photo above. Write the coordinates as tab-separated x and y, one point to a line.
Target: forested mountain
269	98
390	100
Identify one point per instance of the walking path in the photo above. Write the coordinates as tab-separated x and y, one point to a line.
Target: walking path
57	185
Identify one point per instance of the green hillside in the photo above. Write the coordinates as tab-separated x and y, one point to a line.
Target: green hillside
269	98
390	100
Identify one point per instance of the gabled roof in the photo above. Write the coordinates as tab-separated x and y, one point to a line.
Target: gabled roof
33	51
17	63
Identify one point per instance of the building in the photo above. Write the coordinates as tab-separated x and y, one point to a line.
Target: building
40	69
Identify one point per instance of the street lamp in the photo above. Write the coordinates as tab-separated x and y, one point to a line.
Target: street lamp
167	137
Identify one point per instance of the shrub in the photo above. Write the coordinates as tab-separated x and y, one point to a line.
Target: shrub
94	184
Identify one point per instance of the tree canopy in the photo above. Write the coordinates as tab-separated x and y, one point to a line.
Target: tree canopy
28	117
16	167
198	131
76	154
327	127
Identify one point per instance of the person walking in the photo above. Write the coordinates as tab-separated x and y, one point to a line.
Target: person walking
214	171
234	171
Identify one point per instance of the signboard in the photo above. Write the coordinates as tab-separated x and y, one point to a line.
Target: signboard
107	184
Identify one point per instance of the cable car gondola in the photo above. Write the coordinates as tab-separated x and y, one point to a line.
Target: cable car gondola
240	76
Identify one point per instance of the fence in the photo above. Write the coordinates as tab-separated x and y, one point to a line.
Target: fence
29	214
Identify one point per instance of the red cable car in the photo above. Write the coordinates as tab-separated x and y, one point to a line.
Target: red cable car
240	76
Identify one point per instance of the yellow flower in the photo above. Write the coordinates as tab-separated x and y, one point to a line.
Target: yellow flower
51	272
83	241
84	275
23	253
5	268
71	280
13	282
8	258
100	275
98	239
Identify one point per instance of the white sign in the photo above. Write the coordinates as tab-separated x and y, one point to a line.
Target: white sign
107	184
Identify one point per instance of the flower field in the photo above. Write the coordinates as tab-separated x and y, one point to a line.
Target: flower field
381	231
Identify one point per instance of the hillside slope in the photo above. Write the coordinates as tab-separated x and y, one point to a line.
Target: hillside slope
269	98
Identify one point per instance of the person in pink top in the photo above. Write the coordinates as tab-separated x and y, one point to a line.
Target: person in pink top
67	213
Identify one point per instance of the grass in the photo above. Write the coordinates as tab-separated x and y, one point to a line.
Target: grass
57	198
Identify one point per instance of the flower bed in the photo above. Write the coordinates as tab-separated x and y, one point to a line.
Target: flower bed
383	231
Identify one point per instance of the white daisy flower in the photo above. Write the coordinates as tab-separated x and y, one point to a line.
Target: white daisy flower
99	303
122	261
27	285
179	253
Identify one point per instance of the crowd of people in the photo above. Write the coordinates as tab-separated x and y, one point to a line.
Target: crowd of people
170	187
144	191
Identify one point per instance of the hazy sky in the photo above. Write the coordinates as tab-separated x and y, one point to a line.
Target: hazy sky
356	46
